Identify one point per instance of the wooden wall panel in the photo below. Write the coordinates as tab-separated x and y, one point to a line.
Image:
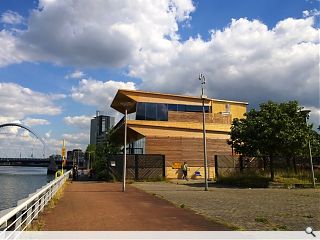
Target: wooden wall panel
197	117
178	149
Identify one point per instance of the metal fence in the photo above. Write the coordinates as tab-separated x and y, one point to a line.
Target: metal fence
227	164
139	167
19	218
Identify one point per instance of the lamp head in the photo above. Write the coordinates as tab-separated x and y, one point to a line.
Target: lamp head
202	79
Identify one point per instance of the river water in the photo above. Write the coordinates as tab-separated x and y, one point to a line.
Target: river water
18	182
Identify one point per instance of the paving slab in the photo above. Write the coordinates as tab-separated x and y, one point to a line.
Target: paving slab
96	206
248	209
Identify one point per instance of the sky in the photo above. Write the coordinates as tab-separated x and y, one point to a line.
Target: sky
60	61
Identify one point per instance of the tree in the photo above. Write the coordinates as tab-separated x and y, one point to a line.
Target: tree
275	129
315	143
90	153
102	151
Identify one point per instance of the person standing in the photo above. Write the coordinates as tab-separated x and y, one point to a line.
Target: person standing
185	171
75	172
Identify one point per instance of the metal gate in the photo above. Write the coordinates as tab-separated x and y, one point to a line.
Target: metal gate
139	167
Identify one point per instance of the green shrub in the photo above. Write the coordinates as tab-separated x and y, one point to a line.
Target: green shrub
246	179
302	176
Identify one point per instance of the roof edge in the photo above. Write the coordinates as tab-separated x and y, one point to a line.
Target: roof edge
123	91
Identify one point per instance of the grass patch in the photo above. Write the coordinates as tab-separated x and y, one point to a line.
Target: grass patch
36	225
39	224
289	177
252	179
290	181
55	199
182	205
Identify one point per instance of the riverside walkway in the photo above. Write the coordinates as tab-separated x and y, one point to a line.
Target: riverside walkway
94	206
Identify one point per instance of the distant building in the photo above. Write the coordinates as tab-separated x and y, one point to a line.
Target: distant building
69	156
100	125
78	157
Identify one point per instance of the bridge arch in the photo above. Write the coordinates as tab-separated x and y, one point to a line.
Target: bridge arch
29	130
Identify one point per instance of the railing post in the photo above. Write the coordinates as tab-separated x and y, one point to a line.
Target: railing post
42	200
36	208
17	225
29	216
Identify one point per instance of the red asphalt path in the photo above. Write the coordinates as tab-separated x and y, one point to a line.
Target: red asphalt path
93	206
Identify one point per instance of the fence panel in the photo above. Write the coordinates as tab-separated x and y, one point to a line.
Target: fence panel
139	167
227	164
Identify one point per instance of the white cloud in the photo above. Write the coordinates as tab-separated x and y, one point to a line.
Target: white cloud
10	17
71	32
74	140
82	121
76	74
18	102
8	119
15	141
313	12
98	93
245	61
35	121
9	50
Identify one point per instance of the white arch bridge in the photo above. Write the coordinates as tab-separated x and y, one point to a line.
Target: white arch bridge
23	161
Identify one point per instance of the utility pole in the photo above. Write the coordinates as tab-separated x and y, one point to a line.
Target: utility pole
126	106
63	153
306	112
203	97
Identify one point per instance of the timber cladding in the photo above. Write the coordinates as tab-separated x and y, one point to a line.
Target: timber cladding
197	117
180	149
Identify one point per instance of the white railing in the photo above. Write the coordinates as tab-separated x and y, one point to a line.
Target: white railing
20	217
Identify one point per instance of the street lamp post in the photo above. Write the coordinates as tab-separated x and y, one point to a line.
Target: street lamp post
125	153
203	97
306	112
125	105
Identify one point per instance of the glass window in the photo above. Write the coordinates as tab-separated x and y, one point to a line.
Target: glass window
172	107
141	111
181	108
103	127
151	111
191	108
162	112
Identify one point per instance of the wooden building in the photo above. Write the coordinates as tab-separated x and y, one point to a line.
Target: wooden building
172	125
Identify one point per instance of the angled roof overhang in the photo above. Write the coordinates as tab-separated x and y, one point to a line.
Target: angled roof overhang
127	99
122	101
